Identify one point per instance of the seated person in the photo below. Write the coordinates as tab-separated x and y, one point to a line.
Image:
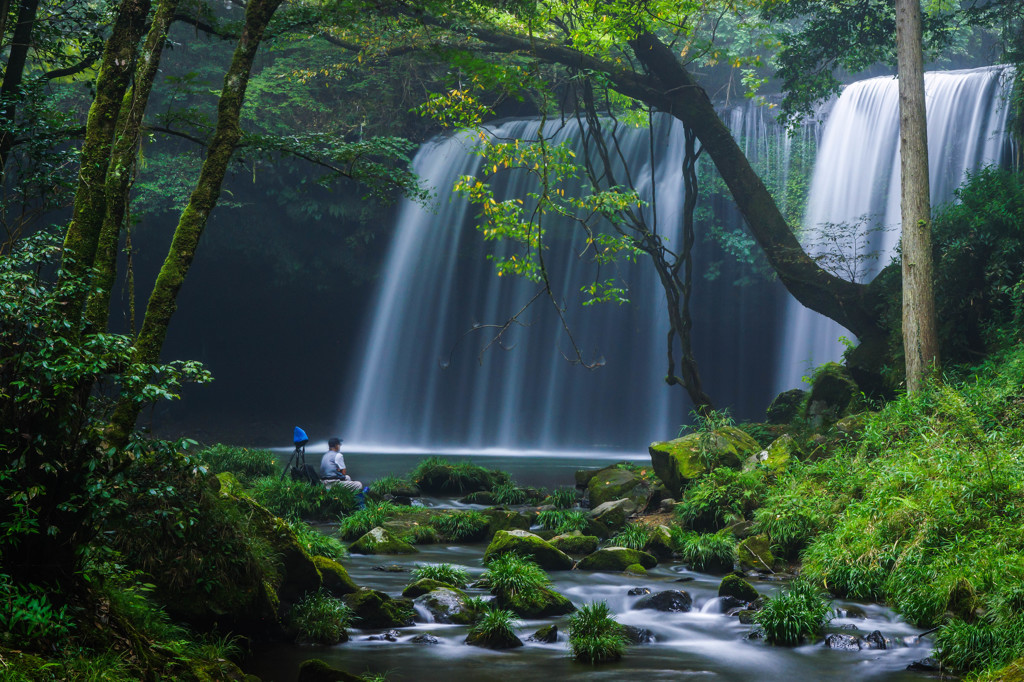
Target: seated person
332	467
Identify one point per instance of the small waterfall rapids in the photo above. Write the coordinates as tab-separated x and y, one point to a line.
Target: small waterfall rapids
856	181
421	382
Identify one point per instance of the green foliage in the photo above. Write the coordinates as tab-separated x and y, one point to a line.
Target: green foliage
562	498
705	551
361	522
799	612
789	518
320	618
317	543
563	520
512	576
719	497
295	499
509	494
460	525
594	635
245	463
438	475
704	425
28	615
388	484
495	624
442	573
422	535
633	536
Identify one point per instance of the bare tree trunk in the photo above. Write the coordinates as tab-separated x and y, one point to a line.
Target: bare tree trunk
920	338
14	72
163	300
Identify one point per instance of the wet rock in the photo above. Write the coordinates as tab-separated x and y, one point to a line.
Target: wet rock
635	569
660	543
447	605
616	559
684	579
832	392
503	519
669	600
637	635
493	640
667	506
380	541
315	670
676	462
786	406
403	500
926	665
613	483
335	578
850	611
876	640
575	543
546	635
376	609
422	587
389	636
425	639
729	603
746	616
734	586
639	591
754	554
842	642
741	529
540	603
777	456
484	497
527	544
391	568
612	515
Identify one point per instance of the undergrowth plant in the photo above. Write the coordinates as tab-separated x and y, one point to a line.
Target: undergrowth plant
563	520
361	522
460	526
293	499
245	464
704	552
494	626
799	612
438	475
317	543
508	494
633	536
512	577
562	498
320	618
719	497
595	636
388	484
442	573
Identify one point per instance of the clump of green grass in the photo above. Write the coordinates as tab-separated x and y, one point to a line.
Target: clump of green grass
704	552
562	498
789	519
460	526
361	522
422	535
316	543
512	576
494	626
633	536
721	496
300	500
320	618
595	636
385	485
245	464
798	613
563	520
509	494
442	573
438	475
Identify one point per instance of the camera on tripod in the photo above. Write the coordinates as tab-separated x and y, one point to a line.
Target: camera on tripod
296	466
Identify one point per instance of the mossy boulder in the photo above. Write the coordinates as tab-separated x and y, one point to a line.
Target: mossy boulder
852	426
777	456
583	477
484	497
754	554
636	569
612	515
493	640
734	586
786	406
677	462
833	393
660	543
376	609
335	578
381	541
539	603
616	559
526	544
502	519
422	587
614	483
447	605
315	670
545	635
575	543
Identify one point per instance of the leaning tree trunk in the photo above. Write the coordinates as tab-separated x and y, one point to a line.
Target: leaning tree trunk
920	338
14	72
162	301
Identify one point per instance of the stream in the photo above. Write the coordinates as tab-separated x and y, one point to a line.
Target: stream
701	644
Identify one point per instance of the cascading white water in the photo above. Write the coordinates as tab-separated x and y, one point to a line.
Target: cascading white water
423	384
856	181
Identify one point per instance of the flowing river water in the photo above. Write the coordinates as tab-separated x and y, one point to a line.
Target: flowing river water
701	644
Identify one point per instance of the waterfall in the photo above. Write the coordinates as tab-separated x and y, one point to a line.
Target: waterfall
856	181
422	383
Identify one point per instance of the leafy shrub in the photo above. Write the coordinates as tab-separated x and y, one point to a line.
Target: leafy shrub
511	575
790	520
300	500
361	522
460	526
594	636
799	612
563	520
320	618
718	497
316	543
442	573
245	464
494	624
26	615
709	551
562	498
509	494
386	485
422	535
633	536
438	475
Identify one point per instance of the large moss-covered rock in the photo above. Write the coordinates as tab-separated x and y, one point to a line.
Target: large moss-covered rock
660	543
755	554
502	519
315	670
734	586
679	461
539	603
612	515
447	605
616	559
493	640
614	483
575	543
422	587
786	406
376	609
777	456
335	578
526	544
833	392
381	541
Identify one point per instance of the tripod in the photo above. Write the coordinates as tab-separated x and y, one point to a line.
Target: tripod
297	466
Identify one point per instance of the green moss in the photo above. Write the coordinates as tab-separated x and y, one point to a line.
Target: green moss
754	554
677	462
526	544
575	543
375	609
334	576
735	586
380	541
614	483
616	559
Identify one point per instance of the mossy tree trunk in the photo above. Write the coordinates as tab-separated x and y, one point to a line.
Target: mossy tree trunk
920	336
14	72
163	299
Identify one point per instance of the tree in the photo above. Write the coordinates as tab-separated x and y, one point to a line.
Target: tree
920	337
